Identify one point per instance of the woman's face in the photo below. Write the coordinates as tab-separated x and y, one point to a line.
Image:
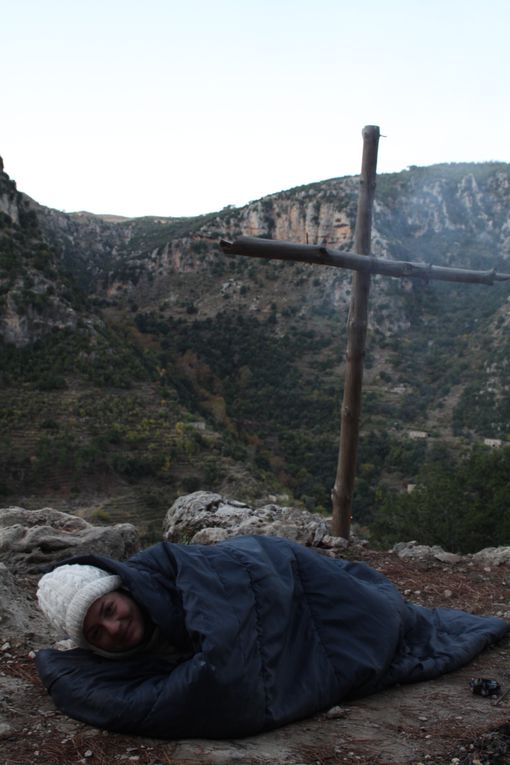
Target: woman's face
114	622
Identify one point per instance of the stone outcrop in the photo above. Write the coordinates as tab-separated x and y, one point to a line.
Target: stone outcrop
489	556
36	298
30	540
414	551
20	327
19	617
8	195
205	518
492	556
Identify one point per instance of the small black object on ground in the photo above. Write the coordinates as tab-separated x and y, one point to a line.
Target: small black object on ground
483	686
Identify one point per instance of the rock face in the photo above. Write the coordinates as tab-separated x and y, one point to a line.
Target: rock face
205	518
35	297
20	328
18	614
32	539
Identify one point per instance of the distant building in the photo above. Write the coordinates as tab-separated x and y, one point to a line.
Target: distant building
494	443
410	487
416	434
198	425
400	389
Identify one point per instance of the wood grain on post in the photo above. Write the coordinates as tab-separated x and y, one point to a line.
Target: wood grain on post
341	494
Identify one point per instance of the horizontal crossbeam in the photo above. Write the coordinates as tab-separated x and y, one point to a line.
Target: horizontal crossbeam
323	256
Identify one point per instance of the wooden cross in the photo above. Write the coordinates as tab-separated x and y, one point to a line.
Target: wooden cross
363	265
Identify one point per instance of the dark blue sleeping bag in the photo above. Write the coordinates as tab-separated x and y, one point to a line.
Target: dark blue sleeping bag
280	632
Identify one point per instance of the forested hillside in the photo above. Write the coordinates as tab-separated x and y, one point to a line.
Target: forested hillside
138	361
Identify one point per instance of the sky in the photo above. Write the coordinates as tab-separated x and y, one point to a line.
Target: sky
181	108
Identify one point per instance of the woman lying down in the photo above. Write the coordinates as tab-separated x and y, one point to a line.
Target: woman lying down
236	638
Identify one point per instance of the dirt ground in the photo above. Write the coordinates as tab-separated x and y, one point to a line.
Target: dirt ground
434	723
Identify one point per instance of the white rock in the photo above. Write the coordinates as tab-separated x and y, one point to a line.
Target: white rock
413	551
209	536
492	556
334	542
32	539
5	730
205	518
336	713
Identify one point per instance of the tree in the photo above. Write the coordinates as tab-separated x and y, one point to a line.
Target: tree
463	507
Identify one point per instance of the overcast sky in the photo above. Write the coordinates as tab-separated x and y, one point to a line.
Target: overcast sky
180	108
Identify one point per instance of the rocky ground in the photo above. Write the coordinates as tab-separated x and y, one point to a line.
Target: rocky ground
434	723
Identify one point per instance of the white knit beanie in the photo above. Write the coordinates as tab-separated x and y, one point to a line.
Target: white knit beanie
66	594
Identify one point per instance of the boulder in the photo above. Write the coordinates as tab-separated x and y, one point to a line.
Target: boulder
30	540
19	617
492	556
205	518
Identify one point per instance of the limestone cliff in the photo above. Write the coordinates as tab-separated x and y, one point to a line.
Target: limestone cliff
35	296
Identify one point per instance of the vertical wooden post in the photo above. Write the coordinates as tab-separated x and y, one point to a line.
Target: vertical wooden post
341	494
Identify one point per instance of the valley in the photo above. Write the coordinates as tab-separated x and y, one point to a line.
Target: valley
139	362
